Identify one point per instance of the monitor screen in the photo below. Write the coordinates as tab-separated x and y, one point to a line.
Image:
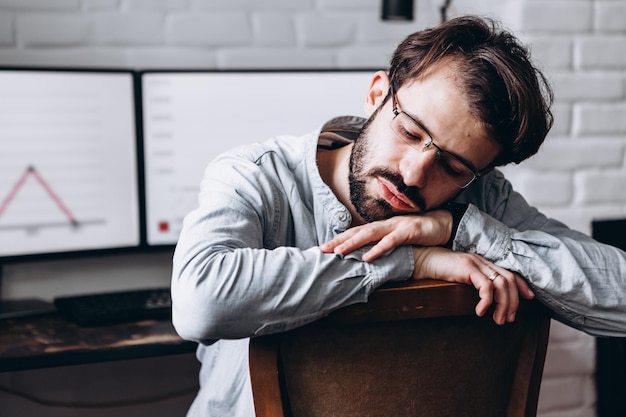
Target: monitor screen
68	162
191	117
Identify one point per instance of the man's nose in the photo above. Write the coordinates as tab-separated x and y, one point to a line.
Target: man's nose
417	166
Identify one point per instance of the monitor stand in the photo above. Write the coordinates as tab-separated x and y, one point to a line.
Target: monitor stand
22	307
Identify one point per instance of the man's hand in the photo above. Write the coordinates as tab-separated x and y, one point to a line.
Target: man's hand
425	232
494	284
427	229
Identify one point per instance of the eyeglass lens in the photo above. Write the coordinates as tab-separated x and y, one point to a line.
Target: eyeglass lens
447	165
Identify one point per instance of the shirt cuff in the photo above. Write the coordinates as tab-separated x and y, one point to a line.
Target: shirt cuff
482	234
458	211
395	266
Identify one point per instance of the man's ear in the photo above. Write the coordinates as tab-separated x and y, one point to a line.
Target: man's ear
379	88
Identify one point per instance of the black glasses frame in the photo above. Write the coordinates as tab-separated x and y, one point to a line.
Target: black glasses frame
396	112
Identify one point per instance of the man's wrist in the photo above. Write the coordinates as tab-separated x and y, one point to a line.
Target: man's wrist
419	257
458	211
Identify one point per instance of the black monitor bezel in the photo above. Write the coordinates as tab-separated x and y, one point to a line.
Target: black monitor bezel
137	79
122	249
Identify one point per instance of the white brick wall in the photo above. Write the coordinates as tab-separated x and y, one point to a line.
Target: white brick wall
578	176
567	388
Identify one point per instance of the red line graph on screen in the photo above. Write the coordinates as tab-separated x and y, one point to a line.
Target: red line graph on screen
32	172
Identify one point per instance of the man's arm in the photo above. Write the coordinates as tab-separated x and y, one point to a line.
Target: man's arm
237	271
581	280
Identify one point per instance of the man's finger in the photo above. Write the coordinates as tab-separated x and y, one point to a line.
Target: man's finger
501	298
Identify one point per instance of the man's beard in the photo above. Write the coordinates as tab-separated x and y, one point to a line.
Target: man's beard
369	208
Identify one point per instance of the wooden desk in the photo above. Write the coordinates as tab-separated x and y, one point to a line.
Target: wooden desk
49	340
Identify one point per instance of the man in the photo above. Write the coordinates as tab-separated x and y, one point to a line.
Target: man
293	228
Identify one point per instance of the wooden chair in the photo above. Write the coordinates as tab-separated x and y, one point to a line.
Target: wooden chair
415	349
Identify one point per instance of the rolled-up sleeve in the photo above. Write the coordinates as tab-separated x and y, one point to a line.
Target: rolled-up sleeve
581	280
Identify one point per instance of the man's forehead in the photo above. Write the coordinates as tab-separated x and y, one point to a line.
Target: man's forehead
446	118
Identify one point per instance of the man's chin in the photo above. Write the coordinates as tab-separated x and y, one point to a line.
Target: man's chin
378	210
371	215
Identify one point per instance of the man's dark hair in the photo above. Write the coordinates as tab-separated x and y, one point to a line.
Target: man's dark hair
504	89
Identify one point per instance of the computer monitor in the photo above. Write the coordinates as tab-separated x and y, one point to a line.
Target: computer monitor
191	117
68	162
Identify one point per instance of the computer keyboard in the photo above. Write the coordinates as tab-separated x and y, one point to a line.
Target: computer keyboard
116	307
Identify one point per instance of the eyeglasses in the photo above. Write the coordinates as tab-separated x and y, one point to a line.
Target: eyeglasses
448	165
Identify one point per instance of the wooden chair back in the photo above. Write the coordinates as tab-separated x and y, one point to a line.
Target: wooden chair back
415	349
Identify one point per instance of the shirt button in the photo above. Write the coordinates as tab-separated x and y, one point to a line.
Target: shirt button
342	216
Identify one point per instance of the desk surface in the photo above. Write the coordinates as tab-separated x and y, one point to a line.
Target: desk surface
49	340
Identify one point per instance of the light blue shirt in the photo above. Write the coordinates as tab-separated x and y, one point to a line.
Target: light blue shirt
248	263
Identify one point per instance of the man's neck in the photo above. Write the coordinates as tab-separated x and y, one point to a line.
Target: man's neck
334	167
